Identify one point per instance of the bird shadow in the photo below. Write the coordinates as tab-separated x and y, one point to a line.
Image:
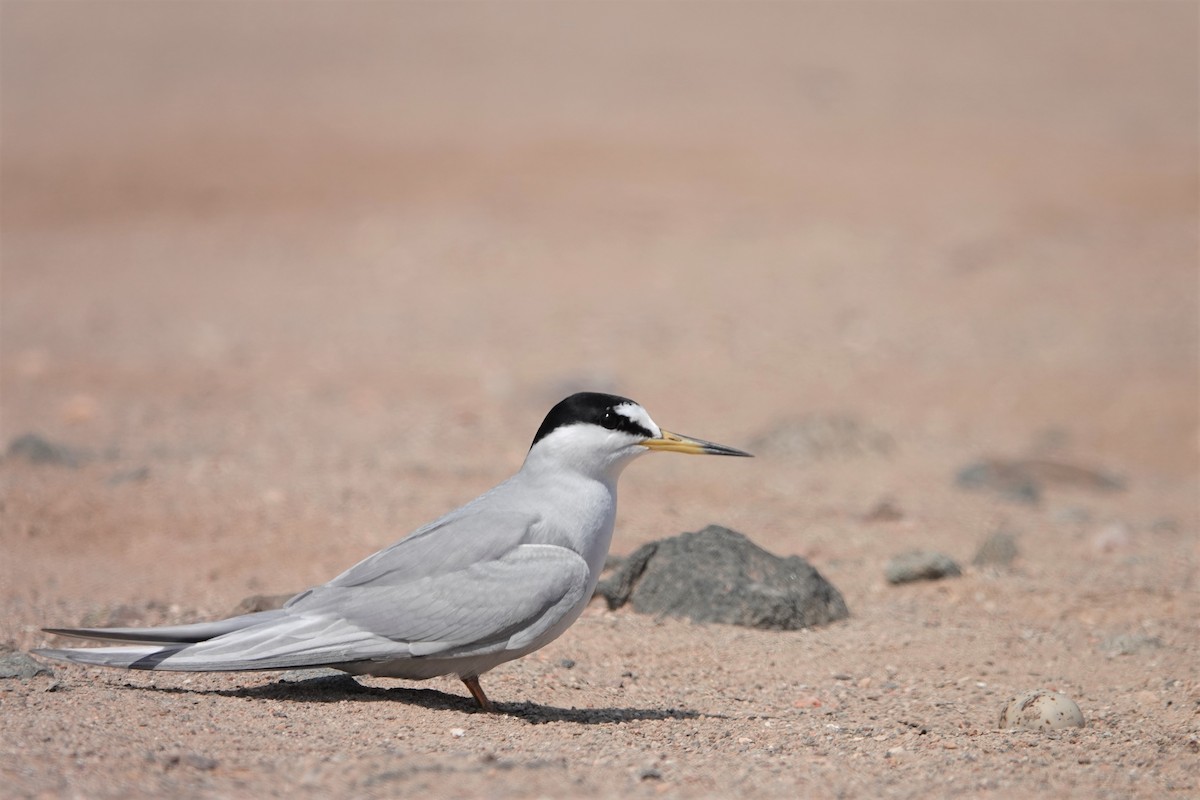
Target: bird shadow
341	688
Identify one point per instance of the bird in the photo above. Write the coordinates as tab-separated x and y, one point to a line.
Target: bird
491	581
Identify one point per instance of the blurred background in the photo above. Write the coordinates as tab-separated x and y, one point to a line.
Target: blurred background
313	272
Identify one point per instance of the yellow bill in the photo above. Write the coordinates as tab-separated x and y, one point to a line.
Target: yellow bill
674	443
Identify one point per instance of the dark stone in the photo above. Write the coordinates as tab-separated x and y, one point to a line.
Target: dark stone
611	562
618	586
16	664
321	678
718	575
38	450
921	565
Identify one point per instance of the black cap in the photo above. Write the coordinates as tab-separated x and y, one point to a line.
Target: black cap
591	408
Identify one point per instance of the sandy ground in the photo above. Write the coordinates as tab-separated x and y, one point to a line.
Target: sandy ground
295	279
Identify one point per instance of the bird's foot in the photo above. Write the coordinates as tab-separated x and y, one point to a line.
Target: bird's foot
477	692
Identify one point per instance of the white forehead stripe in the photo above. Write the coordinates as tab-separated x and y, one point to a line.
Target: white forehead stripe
638	415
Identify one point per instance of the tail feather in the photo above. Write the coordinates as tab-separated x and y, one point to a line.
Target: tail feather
127	657
158	658
268	640
171	634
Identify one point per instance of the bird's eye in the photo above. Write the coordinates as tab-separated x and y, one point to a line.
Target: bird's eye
611	420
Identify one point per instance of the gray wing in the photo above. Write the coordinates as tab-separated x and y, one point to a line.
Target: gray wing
466	536
503	604
480	579
506	604
468	584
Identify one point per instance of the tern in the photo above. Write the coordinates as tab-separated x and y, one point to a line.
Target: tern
492	581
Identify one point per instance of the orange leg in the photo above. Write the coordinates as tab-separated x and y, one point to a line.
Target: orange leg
477	692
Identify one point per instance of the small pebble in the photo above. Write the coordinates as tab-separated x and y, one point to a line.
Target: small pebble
920	565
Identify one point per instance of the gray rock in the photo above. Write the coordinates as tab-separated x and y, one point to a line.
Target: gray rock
998	550
16	664
1025	480
39	450
921	565
617	588
718	575
1011	484
323	678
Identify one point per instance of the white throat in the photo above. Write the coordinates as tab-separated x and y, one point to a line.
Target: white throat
590	450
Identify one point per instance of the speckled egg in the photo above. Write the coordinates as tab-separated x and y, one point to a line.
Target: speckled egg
1041	710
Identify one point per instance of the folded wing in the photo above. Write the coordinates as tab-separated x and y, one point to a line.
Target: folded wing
507	603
